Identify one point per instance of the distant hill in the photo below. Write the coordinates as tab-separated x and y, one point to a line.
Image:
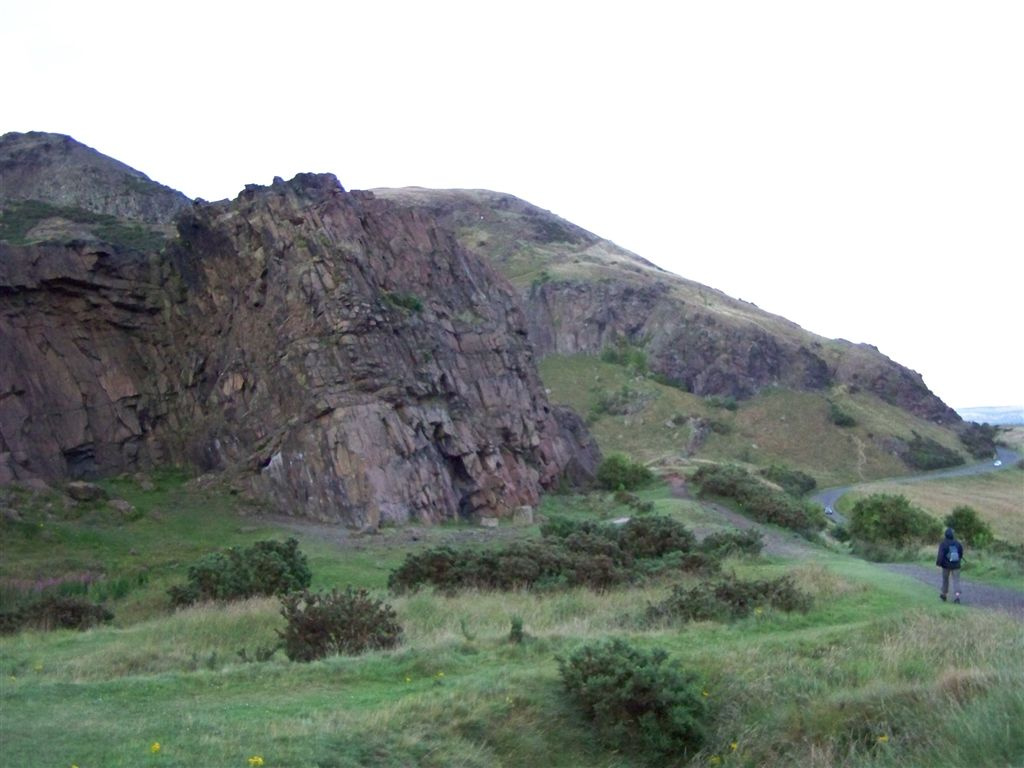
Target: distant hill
1006	415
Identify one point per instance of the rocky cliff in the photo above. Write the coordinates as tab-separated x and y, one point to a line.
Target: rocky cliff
337	353
583	294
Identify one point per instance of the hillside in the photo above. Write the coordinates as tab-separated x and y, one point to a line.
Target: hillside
585	297
353	356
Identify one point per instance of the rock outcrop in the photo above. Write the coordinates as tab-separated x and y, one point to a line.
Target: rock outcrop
583	294
336	353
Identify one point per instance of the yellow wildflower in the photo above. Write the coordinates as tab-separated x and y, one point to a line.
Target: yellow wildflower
883	738
734	746
154	747
705	693
255	761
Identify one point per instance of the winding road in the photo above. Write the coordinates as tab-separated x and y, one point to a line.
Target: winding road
1006	459
974	593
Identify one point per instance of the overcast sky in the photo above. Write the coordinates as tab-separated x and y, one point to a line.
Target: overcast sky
857	167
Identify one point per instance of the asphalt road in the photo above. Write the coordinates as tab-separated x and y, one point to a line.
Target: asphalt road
828	497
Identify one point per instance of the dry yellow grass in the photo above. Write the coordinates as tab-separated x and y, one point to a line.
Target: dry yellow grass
998	497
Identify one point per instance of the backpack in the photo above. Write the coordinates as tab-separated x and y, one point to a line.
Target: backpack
953	554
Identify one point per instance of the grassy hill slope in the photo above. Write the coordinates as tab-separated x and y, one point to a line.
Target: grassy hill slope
666	427
870	676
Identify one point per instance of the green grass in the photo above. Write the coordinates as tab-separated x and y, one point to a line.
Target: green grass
876	657
17	219
776	425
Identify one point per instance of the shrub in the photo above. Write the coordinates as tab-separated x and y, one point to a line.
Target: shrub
924	453
725	543
728	599
758	500
969	527
792	481
979	439
617	472
728	402
840	417
55	612
645	537
635	699
325	624
407	301
626	354
558	527
891	520
265	568
577	553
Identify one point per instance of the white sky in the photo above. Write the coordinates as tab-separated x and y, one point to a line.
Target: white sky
857	167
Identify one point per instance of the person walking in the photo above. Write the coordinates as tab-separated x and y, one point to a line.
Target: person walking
951	554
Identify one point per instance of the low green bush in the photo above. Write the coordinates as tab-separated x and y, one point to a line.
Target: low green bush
979	439
54	612
891	520
969	526
726	543
924	453
326	624
629	355
727	599
792	481
636	700
759	501
618	472
265	568
840	417
571	553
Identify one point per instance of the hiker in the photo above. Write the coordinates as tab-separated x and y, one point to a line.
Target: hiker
951	554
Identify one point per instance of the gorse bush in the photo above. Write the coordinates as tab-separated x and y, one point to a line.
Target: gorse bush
979	439
758	500
54	612
924	453
636	700
727	599
326	624
840	417
265	568
726	543
969	527
573	553
618	472
891	520
792	481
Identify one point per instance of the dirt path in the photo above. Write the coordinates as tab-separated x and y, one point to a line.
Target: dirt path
972	593
782	544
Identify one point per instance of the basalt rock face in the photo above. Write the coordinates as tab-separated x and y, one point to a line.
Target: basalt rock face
583	294
335	353
358	360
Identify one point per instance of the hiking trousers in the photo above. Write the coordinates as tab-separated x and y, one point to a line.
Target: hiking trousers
946	572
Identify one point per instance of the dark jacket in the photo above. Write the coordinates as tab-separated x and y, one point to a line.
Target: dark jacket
948	543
